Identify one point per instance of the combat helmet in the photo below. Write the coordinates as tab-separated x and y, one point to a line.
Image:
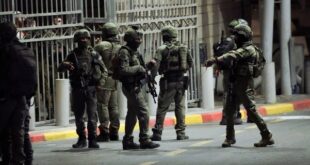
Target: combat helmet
8	31
132	34
109	29
82	33
236	22
243	31
169	31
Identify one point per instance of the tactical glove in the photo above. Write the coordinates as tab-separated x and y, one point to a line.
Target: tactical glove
210	62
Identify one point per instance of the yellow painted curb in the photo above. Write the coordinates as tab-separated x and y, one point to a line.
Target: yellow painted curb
122	128
279	108
243	114
193	119
60	135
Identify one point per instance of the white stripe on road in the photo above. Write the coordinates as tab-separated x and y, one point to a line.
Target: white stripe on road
176	152
201	143
251	127
149	163
286	117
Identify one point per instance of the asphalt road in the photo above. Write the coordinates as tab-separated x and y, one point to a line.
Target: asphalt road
291	134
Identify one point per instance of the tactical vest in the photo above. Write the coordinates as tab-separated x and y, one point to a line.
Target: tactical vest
133	61
173	58
84	68
244	67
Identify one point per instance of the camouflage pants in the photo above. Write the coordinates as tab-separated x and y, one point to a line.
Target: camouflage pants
85	99
242	92
173	92
137	108
108	111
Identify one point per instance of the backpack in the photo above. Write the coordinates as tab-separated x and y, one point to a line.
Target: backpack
97	61
259	62
23	70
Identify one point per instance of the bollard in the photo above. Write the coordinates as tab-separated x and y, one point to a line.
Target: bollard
62	101
207	86
122	101
32	115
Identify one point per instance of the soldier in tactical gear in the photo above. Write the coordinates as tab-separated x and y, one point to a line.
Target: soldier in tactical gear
107	94
17	86
173	61
86	71
221	48
131	72
242	60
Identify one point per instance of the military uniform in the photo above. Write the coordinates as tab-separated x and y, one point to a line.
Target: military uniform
131	73
221	48
85	73
173	62
107	94
242	85
18	82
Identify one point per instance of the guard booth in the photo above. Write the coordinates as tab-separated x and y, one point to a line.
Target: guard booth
47	26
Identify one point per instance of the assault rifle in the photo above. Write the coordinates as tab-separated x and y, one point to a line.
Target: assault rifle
150	80
79	71
151	84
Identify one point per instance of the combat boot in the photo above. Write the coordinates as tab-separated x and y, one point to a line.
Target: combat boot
114	137
156	135
237	119
103	137
129	144
230	137
148	144
266	140
228	142
93	144
182	137
81	143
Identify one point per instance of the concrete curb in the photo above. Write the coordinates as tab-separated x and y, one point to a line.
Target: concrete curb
213	116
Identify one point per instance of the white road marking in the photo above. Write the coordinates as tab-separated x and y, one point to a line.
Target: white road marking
149	163
287	117
201	143
176	152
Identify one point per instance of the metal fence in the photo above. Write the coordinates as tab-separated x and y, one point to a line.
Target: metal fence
151	16
47	26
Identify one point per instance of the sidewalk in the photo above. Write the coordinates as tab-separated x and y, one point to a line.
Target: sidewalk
285	104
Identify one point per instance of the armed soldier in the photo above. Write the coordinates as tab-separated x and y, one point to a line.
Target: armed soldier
18	84
131	73
87	71
107	94
242	60
220	48
173	61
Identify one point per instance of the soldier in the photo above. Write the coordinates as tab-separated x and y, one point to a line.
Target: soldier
86	71
107	94
221	48
242	60
173	61
18	84
131	72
